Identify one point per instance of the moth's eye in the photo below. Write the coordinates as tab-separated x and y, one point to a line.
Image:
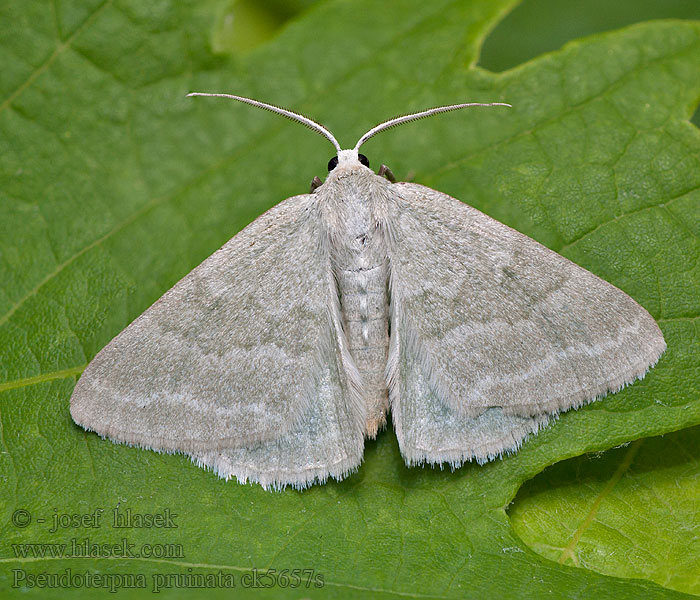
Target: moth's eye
332	163
363	159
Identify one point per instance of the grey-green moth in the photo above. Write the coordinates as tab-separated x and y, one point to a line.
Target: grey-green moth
276	357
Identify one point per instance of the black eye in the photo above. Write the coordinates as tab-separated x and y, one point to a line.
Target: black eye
332	163
363	159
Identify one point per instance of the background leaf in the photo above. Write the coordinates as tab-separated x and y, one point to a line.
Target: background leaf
632	511
114	186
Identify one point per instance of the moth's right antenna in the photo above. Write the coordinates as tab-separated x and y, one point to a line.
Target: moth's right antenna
317	127
419	115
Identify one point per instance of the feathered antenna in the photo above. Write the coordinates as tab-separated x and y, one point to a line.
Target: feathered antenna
420	115
317	127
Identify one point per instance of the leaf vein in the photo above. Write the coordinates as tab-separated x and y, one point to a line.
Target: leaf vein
568	552
54	55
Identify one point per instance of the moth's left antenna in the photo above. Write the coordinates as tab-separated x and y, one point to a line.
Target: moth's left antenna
317	127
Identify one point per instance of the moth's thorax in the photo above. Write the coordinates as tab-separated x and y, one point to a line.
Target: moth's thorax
352	200
353	205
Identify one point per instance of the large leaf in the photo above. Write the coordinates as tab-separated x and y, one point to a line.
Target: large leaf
632	511
114	186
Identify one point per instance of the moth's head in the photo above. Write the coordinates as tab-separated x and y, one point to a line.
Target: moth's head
347	160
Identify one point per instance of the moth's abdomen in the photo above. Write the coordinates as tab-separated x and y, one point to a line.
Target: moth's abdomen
353	210
365	310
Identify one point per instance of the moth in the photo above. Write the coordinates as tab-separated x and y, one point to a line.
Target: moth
275	358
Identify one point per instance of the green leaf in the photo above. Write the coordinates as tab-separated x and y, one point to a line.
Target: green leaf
631	512
113	185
